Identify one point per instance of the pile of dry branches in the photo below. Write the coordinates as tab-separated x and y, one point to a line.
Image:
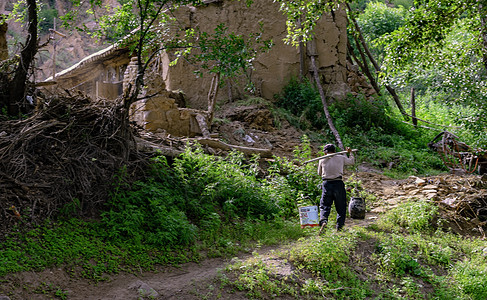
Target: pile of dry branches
65	154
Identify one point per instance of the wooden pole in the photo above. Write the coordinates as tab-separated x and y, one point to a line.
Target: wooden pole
329	155
301	55
54	52
413	108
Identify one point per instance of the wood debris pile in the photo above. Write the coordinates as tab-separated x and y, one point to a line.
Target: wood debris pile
64	155
462	199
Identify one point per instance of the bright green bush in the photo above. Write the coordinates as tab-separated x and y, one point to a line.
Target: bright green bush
293	184
199	191
415	216
149	212
230	185
302	99
355	113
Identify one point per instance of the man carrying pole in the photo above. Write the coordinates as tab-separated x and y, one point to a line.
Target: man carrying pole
330	168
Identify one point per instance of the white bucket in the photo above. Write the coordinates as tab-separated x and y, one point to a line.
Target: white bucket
308	216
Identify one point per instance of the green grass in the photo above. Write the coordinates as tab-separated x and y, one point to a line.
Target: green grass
75	243
421	264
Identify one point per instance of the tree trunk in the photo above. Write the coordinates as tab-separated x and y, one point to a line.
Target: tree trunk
3	38
483	32
203	125
376	65
18	84
212	94
325	105
363	66
413	108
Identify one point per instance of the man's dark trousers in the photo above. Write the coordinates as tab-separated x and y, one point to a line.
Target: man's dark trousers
333	191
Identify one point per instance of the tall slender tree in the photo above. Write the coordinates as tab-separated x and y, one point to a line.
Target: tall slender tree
14	99
302	17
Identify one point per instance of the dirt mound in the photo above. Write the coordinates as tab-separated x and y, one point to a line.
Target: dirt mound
256	125
62	157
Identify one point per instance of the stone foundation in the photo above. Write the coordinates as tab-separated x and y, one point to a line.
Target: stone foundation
161	114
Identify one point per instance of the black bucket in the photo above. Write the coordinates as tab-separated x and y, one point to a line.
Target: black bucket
356	208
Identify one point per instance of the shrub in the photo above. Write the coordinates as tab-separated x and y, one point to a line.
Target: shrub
415	216
356	113
293	184
149	213
227	184
302	99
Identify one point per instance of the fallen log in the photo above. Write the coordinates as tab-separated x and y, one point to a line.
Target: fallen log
214	143
202	122
148	146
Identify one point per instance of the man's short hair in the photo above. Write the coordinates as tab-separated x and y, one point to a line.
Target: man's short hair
329	148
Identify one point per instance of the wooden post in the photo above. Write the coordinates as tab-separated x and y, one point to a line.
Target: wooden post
54	52
413	108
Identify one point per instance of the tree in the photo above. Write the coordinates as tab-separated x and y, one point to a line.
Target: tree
443	43
149	26
302	16
225	55
14	99
139	25
364	50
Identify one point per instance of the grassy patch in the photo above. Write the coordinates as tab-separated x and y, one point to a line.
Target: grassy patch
414	216
415	262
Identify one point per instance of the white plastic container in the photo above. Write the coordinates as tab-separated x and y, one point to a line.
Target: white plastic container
308	216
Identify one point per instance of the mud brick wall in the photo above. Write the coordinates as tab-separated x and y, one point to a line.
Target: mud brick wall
274	69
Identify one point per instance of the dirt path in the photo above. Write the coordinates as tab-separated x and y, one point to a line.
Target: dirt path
188	281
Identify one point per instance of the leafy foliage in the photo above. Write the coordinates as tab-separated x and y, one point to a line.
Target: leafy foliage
376	21
223	53
303	100
302	17
414	216
296	185
439	48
